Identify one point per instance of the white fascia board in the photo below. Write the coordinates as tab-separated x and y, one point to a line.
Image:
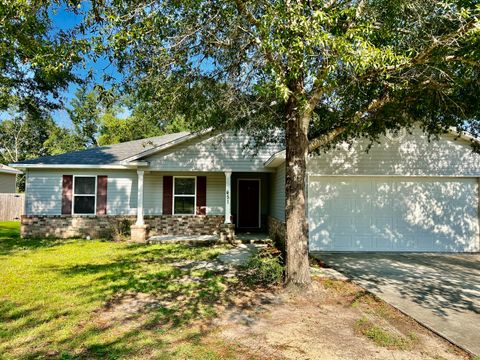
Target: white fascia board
464	135
137	163
10	171
276	159
165	146
72	166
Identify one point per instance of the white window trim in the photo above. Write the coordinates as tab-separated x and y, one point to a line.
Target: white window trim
183	195
94	194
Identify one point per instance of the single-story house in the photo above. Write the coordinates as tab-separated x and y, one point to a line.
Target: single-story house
404	194
8	177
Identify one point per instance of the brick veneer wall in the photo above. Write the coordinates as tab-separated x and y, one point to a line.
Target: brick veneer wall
62	226
184	225
276	231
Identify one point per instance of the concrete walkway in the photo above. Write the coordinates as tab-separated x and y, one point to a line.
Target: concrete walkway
441	291
239	255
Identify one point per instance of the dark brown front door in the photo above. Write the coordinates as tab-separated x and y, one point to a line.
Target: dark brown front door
248	204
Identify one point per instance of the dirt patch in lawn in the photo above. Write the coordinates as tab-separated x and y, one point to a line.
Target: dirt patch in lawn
335	320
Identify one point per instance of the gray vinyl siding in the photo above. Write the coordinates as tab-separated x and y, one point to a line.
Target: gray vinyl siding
7	183
411	156
152	194
121	192
216	194
44	191
277	193
217	153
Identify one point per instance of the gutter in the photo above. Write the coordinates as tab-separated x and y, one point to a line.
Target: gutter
276	159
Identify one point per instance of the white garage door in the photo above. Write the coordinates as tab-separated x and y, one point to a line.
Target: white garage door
393	214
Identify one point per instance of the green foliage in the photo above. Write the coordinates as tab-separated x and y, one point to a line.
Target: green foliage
263	268
22	136
353	68
61	140
36	60
84	113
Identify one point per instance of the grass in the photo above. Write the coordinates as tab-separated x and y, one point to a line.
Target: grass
383	337
264	268
79	299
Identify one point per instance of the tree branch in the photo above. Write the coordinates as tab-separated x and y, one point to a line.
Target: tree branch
325	139
424	56
317	89
242	9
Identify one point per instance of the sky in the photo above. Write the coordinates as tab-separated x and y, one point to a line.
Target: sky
64	19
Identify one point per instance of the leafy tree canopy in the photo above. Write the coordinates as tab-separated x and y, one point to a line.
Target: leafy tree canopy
354	68
36	60
84	112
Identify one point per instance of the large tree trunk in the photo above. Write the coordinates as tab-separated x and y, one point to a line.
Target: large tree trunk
296	236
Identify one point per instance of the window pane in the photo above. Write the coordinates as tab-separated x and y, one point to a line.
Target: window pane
85	185
184	186
184	205
84	205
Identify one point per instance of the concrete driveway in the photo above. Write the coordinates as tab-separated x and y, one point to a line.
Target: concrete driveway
441	291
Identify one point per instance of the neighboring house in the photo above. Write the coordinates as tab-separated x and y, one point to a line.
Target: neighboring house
8	177
405	194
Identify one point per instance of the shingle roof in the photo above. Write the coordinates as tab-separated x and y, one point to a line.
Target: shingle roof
4	169
103	155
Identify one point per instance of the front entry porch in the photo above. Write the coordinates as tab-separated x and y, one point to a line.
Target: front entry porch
226	203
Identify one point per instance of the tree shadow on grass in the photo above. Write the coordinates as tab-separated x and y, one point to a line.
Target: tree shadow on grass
11	242
180	295
145	294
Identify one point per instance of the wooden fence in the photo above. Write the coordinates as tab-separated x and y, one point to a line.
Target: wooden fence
11	206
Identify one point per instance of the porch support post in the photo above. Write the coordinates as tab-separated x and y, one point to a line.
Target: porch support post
139	230
228	197
140	220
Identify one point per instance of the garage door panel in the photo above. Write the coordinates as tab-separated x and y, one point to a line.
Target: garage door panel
393	214
362	224
382	243
346	206
362	242
339	225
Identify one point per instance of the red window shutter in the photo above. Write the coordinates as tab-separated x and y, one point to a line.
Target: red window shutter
167	195
201	195
67	194
102	181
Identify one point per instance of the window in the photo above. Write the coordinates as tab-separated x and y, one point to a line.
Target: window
184	195
84	195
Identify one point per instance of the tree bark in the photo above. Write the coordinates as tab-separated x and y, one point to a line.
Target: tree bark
296	237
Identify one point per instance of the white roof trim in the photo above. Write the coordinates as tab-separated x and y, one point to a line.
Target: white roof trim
78	166
276	159
464	135
9	170
164	146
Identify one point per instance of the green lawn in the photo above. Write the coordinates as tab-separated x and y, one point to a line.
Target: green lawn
85	299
